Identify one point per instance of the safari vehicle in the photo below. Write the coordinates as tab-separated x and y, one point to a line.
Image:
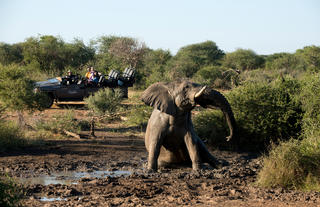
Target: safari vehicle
61	89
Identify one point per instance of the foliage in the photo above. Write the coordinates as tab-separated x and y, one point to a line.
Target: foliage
10	53
139	115
16	90
128	50
191	58
65	121
211	126
242	60
310	100
311	56
49	53
154	66
11	136
104	101
282	61
10	192
266	112
208	74
292	164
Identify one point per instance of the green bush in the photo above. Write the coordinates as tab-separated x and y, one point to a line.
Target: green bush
266	112
292	164
104	101
296	163
310	99
66	121
10	136
10	192
211	126
139	115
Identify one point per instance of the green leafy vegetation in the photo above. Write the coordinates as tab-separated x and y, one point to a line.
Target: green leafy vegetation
104	101
296	163
11	136
293	164
139	115
266	112
60	122
10	192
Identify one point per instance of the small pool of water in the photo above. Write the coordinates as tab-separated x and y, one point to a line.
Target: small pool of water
46	199
72	177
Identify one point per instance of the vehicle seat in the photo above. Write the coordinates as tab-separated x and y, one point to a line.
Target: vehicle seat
101	80
128	74
113	78
128	77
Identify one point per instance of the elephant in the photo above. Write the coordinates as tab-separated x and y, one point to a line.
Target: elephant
170	138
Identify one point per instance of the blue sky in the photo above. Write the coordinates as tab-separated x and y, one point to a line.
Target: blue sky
265	26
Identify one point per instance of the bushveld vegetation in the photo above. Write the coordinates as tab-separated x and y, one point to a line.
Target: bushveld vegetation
275	98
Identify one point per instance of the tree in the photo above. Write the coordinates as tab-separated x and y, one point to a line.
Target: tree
279	61
77	54
208	74
191	58
16	91
104	60
52	54
45	51
242	59
311	56
129	50
154	64
10	53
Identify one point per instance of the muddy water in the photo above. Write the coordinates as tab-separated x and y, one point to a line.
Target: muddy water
71	177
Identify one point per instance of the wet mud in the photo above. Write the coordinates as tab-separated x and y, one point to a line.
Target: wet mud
110	171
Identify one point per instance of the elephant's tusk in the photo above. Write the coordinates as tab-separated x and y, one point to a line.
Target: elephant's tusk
200	92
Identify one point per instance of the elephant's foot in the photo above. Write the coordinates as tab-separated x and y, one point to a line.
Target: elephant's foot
196	166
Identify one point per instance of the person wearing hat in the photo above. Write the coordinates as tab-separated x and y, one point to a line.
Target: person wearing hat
70	78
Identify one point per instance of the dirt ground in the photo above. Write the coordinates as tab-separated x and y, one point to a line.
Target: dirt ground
109	171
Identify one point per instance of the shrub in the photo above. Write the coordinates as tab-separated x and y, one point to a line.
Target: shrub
139	115
66	121
104	101
10	192
10	136
266	112
310	99
292	164
296	163
211	126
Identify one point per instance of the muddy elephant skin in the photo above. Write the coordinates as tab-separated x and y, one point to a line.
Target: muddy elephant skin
170	136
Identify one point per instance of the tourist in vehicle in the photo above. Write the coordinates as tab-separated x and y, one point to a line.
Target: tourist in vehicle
70	78
95	78
88	74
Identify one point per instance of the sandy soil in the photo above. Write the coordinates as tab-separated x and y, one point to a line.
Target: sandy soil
109	171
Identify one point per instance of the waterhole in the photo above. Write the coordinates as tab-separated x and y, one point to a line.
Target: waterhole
72	177
46	199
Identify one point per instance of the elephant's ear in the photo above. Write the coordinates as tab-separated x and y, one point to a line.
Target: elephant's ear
158	96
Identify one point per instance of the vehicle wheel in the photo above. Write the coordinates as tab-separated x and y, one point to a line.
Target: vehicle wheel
49	101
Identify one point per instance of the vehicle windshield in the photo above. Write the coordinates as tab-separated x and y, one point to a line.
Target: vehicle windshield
53	80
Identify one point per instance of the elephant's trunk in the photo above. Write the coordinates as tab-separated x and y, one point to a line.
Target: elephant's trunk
210	98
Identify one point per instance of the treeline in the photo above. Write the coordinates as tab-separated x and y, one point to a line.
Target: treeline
202	62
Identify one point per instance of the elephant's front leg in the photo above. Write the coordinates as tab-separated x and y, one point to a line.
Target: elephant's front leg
193	150
157	129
